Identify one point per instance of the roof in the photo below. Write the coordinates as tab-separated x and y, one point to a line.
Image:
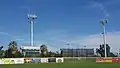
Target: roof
30	47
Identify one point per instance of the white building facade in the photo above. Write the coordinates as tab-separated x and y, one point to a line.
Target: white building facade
31	51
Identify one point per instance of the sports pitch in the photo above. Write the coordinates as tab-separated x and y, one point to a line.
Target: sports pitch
71	64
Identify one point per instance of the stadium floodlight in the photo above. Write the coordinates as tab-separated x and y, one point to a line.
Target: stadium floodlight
31	18
104	22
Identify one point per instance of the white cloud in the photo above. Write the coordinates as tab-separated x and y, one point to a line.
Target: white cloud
19	39
58	40
50	48
96	39
90	41
11	37
100	6
3	33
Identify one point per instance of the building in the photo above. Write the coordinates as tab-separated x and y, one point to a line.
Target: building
77	52
30	51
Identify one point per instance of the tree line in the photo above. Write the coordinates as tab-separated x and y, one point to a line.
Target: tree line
101	51
14	52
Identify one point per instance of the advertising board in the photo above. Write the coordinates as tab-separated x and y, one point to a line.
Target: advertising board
44	60
107	59
115	59
6	60
28	60
12	60
1	61
59	60
17	60
99	59
36	60
51	59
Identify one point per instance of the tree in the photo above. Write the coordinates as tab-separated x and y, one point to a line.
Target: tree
44	50
8	54
97	51
61	53
12	51
1	48
57	54
13	48
18	54
1	51
101	50
112	55
51	54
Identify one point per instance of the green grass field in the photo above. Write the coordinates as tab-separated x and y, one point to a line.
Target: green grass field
71	64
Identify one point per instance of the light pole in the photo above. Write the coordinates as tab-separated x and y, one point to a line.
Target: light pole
104	22
31	18
78	50
67	52
119	52
85	50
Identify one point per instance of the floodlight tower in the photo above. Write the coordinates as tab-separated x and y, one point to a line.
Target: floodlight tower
31	18
104	22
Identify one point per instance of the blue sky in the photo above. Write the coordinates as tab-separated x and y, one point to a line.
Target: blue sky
60	22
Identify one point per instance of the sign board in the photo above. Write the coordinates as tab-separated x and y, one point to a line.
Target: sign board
115	59
52	60
27	60
59	60
1	61
12	60
17	60
6	60
36	60
99	60
104	60
107	59
44	60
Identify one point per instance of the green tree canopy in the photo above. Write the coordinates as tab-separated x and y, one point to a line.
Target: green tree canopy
101	50
44	50
12	51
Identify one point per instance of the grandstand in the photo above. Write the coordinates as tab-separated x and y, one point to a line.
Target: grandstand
77	52
30	51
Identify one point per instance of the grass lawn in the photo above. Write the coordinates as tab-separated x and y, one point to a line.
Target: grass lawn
71	64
